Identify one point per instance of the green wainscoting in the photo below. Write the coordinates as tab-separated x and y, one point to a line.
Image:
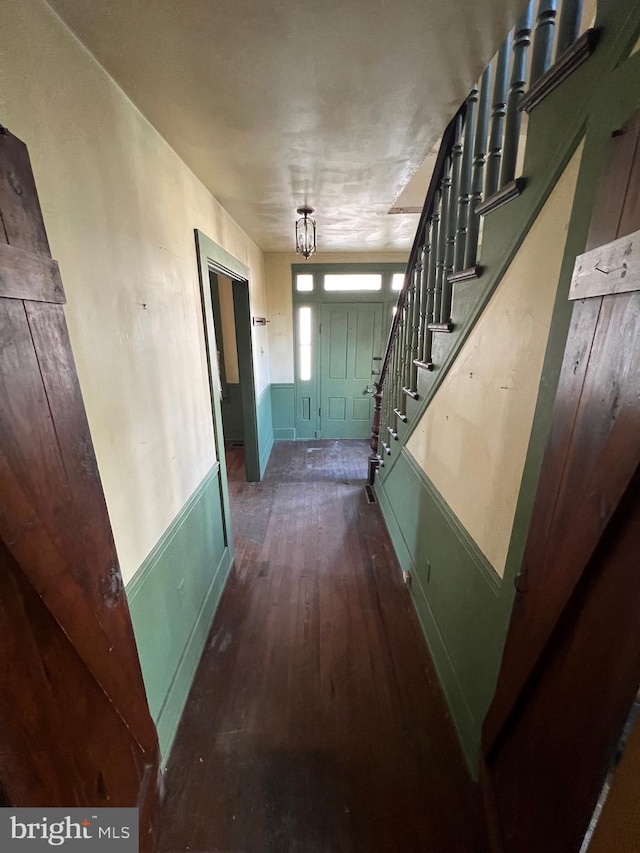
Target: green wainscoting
463	607
458	597
264	419
284	413
173	598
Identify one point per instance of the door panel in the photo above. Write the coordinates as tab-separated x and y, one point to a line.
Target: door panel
351	336
76	728
547	770
570	667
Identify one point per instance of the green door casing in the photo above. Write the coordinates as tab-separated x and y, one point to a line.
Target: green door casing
350	340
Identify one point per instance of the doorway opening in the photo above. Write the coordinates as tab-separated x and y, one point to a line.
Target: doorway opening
224	291
234	360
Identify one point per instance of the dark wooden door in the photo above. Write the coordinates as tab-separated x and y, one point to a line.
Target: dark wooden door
75	728
571	664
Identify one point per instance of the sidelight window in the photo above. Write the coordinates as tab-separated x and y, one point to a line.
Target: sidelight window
304	342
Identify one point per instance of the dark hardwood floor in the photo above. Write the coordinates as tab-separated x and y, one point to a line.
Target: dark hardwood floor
315	723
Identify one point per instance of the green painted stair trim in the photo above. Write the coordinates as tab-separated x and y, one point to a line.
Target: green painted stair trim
465	723
546	157
463	719
471	298
483	566
465	621
428	537
173	598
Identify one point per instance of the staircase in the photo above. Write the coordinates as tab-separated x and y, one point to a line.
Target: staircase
478	170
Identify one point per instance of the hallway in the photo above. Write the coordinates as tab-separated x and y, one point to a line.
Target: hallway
315	722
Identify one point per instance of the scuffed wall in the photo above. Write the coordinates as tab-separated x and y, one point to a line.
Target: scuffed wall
120	209
472	440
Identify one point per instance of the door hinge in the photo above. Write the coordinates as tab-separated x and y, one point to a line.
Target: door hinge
319	412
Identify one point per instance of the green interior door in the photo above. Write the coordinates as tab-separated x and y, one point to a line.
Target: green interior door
351	337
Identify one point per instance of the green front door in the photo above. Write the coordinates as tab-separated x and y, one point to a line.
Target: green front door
351	343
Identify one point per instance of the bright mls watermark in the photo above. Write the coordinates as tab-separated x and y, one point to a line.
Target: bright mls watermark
104	830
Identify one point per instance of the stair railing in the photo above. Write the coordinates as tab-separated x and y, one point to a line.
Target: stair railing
475	172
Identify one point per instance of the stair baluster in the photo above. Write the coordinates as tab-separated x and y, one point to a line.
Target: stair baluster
393	419
412	331
405	343
479	159
424	305
442	242
521	42
466	172
543	40
569	26
401	348
474	174
431	281
498	110
451	220
410	388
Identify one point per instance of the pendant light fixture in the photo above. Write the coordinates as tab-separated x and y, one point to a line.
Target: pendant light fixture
305	233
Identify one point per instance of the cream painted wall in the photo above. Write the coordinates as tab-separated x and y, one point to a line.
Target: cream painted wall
120	208
229	342
473	438
280	303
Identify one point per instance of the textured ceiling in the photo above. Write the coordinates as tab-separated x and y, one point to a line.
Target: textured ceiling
333	104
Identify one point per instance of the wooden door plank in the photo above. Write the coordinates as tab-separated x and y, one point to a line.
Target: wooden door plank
49	519
51	575
518	656
630	215
25	275
612	187
102	581
591	473
607	270
58	705
590	681
533	612
75	721
20	210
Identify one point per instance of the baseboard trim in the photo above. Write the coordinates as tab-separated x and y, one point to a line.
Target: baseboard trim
265	452
284	434
265	434
466	725
182	578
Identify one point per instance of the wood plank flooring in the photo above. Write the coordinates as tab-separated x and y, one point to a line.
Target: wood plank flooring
315	723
